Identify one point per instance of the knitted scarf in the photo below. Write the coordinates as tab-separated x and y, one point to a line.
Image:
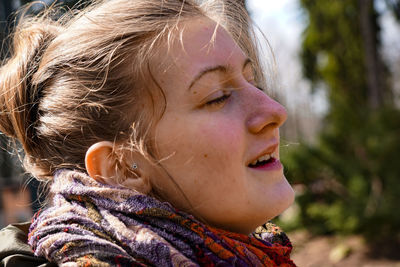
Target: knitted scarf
92	224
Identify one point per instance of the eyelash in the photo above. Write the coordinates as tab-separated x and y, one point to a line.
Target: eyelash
224	97
219	100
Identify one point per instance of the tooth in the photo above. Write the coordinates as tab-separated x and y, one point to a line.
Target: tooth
265	157
262	158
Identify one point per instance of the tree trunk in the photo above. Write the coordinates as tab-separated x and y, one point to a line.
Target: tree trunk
373	65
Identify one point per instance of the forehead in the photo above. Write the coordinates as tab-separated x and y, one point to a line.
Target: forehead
197	44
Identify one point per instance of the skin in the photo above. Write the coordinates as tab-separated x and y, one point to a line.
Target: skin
211	132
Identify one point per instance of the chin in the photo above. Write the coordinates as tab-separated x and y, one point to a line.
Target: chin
284	199
287	198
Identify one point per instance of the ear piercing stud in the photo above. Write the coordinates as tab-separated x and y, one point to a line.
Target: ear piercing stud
134	166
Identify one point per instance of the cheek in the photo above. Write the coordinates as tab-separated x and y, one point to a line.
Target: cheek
217	143
215	151
196	134
199	147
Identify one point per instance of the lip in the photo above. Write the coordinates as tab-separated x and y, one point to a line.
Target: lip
269	150
273	165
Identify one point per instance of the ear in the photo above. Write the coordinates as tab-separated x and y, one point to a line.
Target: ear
100	161
100	164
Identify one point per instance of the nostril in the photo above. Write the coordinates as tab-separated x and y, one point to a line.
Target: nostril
265	117
257	127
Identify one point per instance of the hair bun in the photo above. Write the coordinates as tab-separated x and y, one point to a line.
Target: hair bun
18	93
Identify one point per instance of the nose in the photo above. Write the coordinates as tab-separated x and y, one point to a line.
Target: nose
264	113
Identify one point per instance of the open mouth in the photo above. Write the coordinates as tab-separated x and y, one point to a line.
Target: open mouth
262	161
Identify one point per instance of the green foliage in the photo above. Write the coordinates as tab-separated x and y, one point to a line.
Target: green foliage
350	175
333	51
351	178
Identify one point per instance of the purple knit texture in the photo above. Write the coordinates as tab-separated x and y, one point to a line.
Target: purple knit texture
101	224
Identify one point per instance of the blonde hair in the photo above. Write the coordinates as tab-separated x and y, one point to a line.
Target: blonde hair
82	79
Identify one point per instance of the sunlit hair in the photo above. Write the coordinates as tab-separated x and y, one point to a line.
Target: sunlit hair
84	78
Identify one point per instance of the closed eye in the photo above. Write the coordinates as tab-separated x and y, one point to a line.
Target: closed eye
219	100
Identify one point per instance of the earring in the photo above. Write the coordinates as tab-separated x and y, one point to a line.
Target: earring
134	166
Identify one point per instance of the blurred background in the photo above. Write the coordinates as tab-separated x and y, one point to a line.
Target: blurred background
338	73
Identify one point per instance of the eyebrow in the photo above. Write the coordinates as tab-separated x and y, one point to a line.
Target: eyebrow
215	68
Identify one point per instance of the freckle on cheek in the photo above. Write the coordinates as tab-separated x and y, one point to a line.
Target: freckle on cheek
205	155
194	92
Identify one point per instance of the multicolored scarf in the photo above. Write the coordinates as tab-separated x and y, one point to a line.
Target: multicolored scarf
92	224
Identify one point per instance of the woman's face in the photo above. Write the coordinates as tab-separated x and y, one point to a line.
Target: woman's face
217	123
